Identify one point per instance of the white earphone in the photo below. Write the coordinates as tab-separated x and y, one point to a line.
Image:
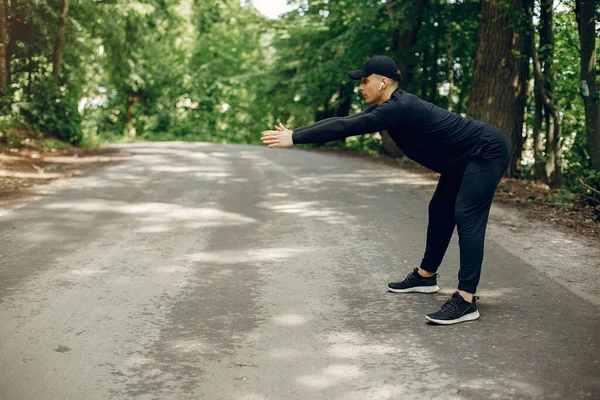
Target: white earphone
381	86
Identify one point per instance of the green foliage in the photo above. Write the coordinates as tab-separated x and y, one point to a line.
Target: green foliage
12	140
56	144
314	47
462	18
566	97
564	198
53	112
585	181
217	70
369	144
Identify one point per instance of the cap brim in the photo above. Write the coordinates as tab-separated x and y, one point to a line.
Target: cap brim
358	74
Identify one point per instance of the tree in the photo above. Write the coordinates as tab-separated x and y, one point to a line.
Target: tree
544	82
450	61
548	165
135	60
406	18
3	43
59	38
586	13
498	92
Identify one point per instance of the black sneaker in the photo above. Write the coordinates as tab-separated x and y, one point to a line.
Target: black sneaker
455	310
415	283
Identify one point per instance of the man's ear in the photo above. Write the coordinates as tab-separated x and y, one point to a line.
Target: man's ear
384	83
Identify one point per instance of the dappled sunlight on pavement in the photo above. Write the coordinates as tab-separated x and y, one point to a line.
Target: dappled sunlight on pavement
510	387
366	178
160	214
290	319
331	375
311	209
210	271
246	255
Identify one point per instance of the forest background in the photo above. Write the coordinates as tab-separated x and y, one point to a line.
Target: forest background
85	72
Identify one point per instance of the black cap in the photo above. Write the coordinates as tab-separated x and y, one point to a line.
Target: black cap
380	65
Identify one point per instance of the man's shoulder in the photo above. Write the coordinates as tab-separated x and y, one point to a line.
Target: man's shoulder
399	97
405	97
397	101
391	109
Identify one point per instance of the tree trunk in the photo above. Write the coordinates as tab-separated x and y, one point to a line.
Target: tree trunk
501	73
424	59
539	166
130	128
459	103
554	133
59	38
11	48
28	90
345	100
585	11
406	17
3	26
554	153
338	105
18	32
450	62
554	170
434	68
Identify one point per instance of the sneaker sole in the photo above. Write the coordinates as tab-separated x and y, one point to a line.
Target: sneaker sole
416	289
468	317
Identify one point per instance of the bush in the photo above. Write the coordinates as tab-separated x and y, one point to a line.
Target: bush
53	112
564	197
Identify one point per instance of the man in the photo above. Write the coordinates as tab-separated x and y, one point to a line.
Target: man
470	156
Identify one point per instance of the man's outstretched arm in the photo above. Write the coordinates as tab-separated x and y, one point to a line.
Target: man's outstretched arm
325	131
326	120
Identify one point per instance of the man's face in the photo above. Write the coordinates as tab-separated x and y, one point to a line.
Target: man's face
369	88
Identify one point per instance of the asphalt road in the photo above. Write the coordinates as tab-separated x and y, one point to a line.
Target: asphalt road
236	272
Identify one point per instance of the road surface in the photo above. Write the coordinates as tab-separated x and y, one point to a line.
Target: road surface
206	271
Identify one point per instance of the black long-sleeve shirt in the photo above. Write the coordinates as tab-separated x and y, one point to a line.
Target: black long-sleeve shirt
431	136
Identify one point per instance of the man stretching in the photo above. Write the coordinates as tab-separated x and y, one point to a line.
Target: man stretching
469	155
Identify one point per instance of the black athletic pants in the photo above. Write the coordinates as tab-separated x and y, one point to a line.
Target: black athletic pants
463	198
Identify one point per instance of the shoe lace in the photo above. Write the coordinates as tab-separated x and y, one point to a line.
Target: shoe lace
411	277
453	305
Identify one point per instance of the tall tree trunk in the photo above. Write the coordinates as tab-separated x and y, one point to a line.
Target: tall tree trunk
11	49
450	61
434	68
59	38
554	165
3	44
130	128
338	105
459	103
539	166
585	11
425	63
499	87
344	101
406	17
28	90
554	131
17	31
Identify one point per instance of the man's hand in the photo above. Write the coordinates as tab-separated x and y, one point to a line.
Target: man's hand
281	137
